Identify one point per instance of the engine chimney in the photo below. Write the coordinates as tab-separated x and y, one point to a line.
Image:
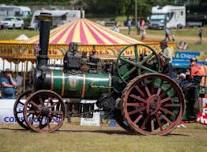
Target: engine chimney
44	29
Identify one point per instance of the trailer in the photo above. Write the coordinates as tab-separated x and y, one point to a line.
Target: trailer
168	16
12	10
59	17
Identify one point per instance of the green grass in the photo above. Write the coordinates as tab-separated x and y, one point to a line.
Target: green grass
189	35
97	139
10	34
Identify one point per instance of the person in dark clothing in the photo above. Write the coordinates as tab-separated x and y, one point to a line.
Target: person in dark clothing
200	35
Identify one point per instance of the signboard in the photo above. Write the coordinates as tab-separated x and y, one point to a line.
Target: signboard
186	55
95	120
202	115
6	111
7	116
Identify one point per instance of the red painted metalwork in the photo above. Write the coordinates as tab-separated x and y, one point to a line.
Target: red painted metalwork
44	111
153	104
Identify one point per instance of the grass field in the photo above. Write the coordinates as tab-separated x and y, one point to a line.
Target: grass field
102	139
9	34
189	35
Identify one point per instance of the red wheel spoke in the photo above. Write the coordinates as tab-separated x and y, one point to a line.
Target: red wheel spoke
34	104
145	121
134	104
138	119
172	105
137	110
167	111
138	98
166	119
159	122
140	91
158	91
147	90
165	100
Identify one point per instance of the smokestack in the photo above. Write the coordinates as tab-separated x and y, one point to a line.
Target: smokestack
44	29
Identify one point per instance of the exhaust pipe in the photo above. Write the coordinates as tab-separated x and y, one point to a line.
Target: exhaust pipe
44	29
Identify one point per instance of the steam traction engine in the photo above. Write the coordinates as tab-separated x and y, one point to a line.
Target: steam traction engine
132	90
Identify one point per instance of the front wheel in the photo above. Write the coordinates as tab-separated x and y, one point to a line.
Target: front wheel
44	111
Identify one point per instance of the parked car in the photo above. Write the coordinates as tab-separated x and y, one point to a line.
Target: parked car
12	22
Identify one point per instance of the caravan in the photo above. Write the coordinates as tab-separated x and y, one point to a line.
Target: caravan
16	11
167	16
58	17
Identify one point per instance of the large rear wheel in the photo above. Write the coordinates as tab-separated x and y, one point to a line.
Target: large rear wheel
153	104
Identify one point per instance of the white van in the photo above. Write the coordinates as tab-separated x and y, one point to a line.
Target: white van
169	16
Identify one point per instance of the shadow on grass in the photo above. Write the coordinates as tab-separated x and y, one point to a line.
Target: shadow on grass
108	132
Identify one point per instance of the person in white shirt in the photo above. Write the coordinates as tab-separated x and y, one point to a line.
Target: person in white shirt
167	54
116	28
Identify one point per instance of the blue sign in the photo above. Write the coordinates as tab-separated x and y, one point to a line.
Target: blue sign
186	55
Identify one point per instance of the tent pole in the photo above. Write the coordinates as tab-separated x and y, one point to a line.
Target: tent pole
3	64
10	65
24	75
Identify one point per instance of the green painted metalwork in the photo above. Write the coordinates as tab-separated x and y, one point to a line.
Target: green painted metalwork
78	85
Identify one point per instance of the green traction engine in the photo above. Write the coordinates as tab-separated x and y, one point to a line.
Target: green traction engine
132	90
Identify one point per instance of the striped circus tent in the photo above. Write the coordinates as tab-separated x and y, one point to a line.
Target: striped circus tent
89	35
86	32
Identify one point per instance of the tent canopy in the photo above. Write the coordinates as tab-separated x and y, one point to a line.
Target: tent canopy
22	37
86	32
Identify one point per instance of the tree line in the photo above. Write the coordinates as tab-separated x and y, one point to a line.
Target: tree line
104	7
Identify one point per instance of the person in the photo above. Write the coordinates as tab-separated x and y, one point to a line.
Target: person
19	82
200	35
166	56
129	24
138	27
182	45
194	77
168	35
8	85
116	28
142	29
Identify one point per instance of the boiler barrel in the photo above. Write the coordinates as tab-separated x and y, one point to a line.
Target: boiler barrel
77	85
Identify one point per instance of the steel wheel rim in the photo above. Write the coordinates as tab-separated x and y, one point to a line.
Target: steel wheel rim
137	66
47	110
18	109
146	113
